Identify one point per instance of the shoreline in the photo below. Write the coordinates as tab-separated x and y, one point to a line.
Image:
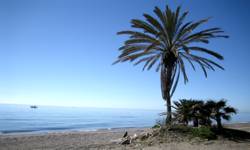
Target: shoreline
37	132
237	125
107	139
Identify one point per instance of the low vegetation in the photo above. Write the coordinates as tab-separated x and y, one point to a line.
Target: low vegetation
204	133
200	113
196	118
193	121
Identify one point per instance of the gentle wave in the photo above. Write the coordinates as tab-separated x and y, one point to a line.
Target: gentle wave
22	119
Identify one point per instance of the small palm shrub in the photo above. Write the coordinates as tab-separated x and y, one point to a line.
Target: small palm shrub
220	110
202	113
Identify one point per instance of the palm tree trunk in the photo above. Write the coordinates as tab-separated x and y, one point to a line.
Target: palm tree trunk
166	75
219	125
195	122
169	111
167	70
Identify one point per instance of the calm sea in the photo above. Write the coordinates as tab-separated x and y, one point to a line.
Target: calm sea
21	118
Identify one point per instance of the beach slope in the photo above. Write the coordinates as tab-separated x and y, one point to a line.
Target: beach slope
109	139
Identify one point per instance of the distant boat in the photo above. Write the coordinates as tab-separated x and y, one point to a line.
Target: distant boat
33	106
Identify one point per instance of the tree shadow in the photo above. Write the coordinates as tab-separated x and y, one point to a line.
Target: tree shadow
234	135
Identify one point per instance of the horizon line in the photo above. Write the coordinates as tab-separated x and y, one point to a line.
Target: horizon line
51	105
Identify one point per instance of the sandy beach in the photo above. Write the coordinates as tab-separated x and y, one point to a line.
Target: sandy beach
109	139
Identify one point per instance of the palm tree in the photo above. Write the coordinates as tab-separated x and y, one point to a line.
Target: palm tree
196	108
182	113
167	42
220	110
205	115
188	110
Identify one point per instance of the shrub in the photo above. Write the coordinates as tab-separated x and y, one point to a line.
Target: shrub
204	132
160	122
156	126
180	128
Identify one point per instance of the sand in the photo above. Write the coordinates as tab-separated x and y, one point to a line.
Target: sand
109	139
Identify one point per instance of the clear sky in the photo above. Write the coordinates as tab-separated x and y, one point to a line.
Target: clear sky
59	52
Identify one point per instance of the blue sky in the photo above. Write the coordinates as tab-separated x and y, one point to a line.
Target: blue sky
59	52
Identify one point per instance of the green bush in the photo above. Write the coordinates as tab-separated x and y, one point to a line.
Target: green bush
156	126
180	128
204	132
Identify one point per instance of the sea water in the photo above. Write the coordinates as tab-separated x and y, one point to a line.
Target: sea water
23	119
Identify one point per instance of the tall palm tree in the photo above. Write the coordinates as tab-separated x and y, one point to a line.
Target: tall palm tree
220	110
167	42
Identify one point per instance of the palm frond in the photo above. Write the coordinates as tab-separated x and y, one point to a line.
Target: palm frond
183	70
230	110
175	80
217	55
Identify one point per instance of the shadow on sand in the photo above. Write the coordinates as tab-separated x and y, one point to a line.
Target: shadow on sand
235	135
